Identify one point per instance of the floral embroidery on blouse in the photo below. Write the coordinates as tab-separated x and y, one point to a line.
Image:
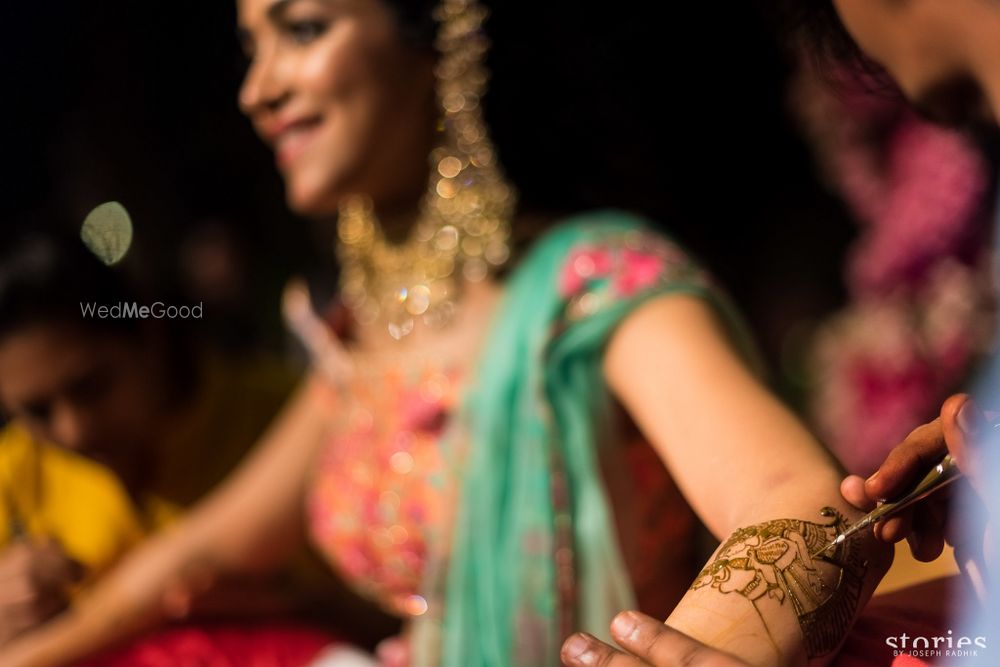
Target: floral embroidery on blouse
619	266
384	492
380	492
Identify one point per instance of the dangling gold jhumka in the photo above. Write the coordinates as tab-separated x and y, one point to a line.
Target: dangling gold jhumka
463	227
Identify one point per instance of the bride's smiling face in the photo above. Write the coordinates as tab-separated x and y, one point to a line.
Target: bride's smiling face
345	103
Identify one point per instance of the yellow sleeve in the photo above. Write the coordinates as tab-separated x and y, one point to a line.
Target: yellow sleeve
64	496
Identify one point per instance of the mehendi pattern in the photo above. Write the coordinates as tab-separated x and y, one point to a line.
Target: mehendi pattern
773	560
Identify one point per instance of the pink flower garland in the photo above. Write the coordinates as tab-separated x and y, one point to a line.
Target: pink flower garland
917	274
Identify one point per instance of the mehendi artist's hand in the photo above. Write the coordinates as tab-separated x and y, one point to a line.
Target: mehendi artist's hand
647	643
928	524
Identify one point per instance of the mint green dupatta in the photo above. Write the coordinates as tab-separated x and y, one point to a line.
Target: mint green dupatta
534	553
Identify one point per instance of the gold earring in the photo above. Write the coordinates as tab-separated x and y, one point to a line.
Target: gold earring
463	228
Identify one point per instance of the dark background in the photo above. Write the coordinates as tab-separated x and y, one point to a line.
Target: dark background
678	112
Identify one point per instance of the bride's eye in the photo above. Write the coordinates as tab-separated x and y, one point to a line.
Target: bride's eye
305	31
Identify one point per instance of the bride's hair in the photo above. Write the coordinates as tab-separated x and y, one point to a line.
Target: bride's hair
416	21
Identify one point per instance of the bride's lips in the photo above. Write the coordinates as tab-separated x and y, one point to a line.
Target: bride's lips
291	138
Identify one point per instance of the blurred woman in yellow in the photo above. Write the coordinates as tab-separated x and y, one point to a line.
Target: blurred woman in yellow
117	424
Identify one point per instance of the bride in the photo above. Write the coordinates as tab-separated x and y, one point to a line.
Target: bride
500	444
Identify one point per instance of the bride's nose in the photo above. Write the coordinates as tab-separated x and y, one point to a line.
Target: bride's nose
264	87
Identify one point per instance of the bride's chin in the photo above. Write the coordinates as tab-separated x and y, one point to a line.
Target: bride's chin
311	202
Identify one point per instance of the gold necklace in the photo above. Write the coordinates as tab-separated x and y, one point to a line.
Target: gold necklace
463	228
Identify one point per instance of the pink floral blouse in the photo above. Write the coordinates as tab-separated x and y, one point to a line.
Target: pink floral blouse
383	495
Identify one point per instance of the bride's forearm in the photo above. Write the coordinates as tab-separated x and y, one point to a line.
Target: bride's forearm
768	596
735	451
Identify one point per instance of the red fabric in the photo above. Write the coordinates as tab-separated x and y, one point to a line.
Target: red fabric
221	646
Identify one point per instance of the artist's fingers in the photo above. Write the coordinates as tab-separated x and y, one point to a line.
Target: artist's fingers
53	569
908	461
662	646
853	491
651	644
23	607
895	528
968	521
966	431
927	538
584	650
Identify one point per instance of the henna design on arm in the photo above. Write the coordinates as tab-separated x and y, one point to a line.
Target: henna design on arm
773	561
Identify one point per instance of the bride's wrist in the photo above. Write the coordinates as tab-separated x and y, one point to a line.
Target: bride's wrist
773	595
